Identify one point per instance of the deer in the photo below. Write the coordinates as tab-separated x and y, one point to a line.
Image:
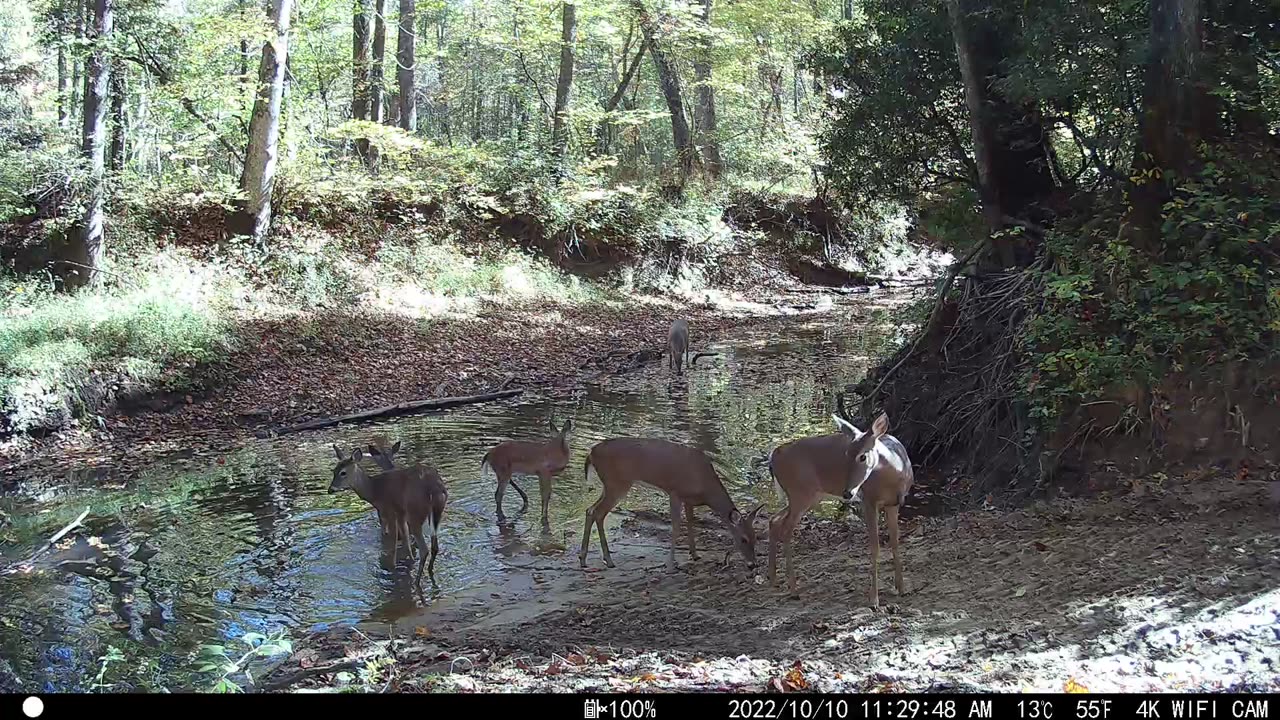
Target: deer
405	498
678	345
542	458
382	453
870	468
683	473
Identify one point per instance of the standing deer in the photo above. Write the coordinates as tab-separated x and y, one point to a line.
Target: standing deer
683	473
544	459
872	468
382	453
678	345
405	498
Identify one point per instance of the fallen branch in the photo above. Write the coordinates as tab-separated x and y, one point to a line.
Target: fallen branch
49	543
297	677
694	360
397	409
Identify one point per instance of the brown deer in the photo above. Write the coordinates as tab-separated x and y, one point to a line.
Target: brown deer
542	458
382	453
683	473
405	498
870	468
678	345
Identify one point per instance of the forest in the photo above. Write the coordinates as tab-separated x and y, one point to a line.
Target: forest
1036	244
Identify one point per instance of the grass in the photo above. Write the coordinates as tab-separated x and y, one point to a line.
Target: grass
164	316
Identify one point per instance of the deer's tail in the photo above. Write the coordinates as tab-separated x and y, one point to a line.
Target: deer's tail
485	467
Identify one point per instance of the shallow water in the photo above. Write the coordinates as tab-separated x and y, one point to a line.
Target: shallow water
201	550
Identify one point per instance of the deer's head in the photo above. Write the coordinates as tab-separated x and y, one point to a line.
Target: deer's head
347	471
743	532
861	453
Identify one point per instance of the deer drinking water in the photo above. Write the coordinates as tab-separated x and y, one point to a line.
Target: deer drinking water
678	345
683	473
544	459
871	468
405	498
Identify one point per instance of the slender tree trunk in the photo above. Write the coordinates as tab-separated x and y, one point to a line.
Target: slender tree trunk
407	67
564	83
377	82
1173	108
63	79
262	155
669	79
118	128
1009	140
847	10
704	113
87	248
361	50
603	133
77	9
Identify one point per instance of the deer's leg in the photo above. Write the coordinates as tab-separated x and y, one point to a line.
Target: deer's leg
675	533
503	479
870	514
544	485
775	535
891	519
586	533
610	499
422	556
688	528
524	499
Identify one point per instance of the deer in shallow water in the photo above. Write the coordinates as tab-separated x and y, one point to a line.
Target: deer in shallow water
405	498
870	468
678	345
683	473
522	457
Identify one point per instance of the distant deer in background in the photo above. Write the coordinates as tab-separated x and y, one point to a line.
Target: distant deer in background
521	457
678	345
683	473
871	468
405	499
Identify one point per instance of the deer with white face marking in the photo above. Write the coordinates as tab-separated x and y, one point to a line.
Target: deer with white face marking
678	345
405	499
521	457
683	473
869	468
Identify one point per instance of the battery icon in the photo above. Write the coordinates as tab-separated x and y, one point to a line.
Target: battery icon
590	709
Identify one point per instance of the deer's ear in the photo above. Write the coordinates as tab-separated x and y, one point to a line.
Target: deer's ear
846	428
337	451
735	517
568	425
752	515
394	449
358	455
881	425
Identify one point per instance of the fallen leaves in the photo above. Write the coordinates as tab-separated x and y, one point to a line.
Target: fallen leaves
1071	686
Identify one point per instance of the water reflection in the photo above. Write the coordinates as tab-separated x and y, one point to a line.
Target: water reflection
208	548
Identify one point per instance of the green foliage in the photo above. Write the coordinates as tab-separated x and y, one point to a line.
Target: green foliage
230	670
1113	316
61	355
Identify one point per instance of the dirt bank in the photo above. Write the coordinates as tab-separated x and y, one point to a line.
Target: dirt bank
1172	586
298	368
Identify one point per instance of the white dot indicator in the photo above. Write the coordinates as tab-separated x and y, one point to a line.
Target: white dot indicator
32	707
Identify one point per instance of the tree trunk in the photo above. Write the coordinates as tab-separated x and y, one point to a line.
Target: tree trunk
377	86
118	129
63	80
1010	145
1173	103
77	8
628	72
407	68
564	84
847	10
361	49
704	113
669	79
262	155
87	247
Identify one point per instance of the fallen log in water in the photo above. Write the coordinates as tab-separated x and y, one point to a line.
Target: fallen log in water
403	408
